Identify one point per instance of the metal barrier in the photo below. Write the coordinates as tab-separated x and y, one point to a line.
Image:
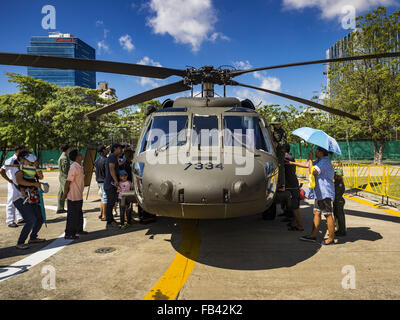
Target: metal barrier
380	180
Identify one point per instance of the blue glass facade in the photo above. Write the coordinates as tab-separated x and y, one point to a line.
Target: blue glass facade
69	47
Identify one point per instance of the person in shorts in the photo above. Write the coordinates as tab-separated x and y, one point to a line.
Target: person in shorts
324	192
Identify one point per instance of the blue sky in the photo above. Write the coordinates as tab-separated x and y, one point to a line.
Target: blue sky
179	33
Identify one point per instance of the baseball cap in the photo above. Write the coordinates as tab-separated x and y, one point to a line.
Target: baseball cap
123	173
30	157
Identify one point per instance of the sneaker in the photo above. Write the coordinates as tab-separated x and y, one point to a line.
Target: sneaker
125	226
61	211
308	239
22	246
13	225
21	222
75	237
37	240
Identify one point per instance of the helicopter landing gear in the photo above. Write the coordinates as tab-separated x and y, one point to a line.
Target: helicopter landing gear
270	213
145	217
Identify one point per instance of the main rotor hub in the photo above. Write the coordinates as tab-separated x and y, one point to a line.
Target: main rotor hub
208	74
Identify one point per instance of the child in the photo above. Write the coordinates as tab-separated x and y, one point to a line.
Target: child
338	204
124	185
30	194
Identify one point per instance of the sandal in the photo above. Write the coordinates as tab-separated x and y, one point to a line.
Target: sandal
327	244
295	228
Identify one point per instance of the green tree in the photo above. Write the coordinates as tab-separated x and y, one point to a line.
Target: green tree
42	115
20	122
370	88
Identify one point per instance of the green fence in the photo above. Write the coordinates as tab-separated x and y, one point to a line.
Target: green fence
48	158
358	150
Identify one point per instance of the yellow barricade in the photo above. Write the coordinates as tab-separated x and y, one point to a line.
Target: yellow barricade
377	179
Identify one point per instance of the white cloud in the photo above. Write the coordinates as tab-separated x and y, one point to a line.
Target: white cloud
270	83
242	65
265	82
219	35
256	97
147	61
102	47
106	32
99	23
333	8
126	43
148	82
187	21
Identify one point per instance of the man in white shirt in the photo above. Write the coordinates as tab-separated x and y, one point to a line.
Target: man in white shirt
8	173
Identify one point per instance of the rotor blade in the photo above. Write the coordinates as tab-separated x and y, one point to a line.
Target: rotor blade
141	97
301	100
236	73
30	60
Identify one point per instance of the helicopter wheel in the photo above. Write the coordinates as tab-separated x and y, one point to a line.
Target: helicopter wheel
270	213
146	217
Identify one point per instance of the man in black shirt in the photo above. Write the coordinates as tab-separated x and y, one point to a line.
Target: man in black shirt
100	165
292	185
111	183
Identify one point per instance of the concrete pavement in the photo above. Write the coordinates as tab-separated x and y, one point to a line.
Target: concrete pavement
239	259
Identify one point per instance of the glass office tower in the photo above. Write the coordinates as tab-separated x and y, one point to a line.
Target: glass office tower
62	45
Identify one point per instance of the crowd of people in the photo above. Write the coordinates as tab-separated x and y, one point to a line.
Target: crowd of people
114	176
25	207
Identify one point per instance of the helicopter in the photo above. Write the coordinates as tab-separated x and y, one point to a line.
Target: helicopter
202	157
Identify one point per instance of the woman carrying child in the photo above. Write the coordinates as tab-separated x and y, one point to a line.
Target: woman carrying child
30	210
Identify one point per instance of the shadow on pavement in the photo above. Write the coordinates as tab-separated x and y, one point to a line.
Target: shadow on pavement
362	233
162	226
250	243
370	215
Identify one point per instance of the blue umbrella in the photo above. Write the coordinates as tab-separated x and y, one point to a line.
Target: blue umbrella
319	138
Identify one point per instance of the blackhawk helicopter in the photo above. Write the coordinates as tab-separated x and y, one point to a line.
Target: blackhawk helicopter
200	157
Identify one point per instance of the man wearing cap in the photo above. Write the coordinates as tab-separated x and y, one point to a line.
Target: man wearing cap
324	192
111	183
280	143
63	166
8	173
338	204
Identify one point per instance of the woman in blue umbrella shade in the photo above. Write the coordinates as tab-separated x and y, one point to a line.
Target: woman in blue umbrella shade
324	192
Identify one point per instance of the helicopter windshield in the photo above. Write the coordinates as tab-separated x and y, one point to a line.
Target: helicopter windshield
245	131
165	130
205	131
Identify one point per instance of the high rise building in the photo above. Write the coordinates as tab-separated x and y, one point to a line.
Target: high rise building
62	45
338	50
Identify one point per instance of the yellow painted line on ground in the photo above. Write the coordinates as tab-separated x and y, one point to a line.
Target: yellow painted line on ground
372	205
168	287
367	203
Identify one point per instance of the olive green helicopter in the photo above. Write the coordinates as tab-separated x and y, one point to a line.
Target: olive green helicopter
201	157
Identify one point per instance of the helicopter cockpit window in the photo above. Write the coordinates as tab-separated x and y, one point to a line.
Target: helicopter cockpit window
166	131
245	131
205	131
